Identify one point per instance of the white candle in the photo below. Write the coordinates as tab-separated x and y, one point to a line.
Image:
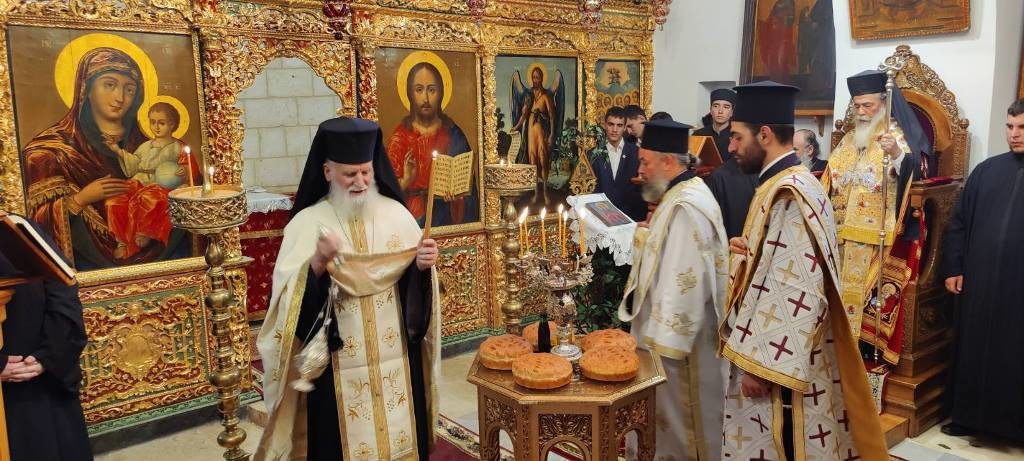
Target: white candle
208	181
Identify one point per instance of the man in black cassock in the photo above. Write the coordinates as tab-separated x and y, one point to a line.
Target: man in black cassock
43	338
718	120
981	257
352	253
732	189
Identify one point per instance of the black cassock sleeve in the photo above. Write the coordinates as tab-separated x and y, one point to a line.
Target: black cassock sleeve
416	296
954	240
63	335
313	299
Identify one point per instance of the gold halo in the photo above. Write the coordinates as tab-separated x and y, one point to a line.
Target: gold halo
66	66
417	57
543	71
183	119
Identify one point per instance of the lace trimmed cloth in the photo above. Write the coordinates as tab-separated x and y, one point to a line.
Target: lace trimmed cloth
259	200
618	240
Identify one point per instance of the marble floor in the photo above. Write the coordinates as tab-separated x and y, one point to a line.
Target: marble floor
458	403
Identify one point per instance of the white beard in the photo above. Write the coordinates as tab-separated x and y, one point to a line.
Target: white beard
863	135
348	206
654	189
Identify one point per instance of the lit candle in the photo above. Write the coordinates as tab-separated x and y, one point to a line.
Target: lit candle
543	232
561	231
580	214
565	223
523	238
501	162
188	165
208	181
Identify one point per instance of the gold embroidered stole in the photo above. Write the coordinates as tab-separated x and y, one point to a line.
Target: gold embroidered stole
857	211
867	439
371	371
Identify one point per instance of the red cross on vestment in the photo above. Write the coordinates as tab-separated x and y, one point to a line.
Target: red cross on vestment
821	435
780	348
845	422
745	330
798	304
814	393
814	261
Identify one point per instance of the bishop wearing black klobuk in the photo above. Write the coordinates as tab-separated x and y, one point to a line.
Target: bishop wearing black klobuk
797	388
853	180
981	262
375	398
44	413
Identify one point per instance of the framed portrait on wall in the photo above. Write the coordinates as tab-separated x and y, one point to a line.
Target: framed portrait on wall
875	19
792	42
429	101
617	83
538	121
107	123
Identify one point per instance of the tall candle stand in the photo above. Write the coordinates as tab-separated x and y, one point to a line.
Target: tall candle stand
509	181
209	210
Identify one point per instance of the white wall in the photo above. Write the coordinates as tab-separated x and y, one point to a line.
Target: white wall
702	42
281	112
979	66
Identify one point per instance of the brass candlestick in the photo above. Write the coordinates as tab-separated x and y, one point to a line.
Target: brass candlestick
210	213
510	181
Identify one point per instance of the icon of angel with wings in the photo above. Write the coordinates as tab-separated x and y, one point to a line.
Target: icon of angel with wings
539	113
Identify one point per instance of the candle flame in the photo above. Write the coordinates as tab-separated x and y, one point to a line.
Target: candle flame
210	170
561	208
502	162
543	213
523	215
565	216
434	155
188	150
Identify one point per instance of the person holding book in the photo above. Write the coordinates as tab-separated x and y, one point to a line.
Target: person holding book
411	147
43	337
677	281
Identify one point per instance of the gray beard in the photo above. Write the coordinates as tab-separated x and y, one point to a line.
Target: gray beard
863	135
349	207
654	189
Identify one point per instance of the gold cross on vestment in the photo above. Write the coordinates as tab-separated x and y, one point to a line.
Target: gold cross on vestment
768	318
808	337
787	272
739	438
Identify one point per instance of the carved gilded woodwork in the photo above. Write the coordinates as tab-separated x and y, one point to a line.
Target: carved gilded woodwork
462	270
148	346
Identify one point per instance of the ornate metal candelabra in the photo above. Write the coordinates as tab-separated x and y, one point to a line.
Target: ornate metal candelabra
510	180
558	275
210	212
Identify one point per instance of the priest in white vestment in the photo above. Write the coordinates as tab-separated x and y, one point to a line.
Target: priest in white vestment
352	254
677	280
797	387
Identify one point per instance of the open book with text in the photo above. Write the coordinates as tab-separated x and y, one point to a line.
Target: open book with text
30	253
452	175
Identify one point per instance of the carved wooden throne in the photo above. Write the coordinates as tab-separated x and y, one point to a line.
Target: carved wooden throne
915	386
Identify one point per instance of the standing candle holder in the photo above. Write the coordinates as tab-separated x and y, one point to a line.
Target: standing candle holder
558	275
210	212
510	180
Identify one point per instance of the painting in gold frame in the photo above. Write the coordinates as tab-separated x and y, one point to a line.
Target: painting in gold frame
618	84
875	19
429	101
103	119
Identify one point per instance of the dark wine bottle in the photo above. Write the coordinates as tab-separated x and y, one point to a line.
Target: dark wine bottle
543	335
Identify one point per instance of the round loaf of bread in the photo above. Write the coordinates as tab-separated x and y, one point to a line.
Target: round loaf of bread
610	364
497	352
611	337
530	333
541	370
